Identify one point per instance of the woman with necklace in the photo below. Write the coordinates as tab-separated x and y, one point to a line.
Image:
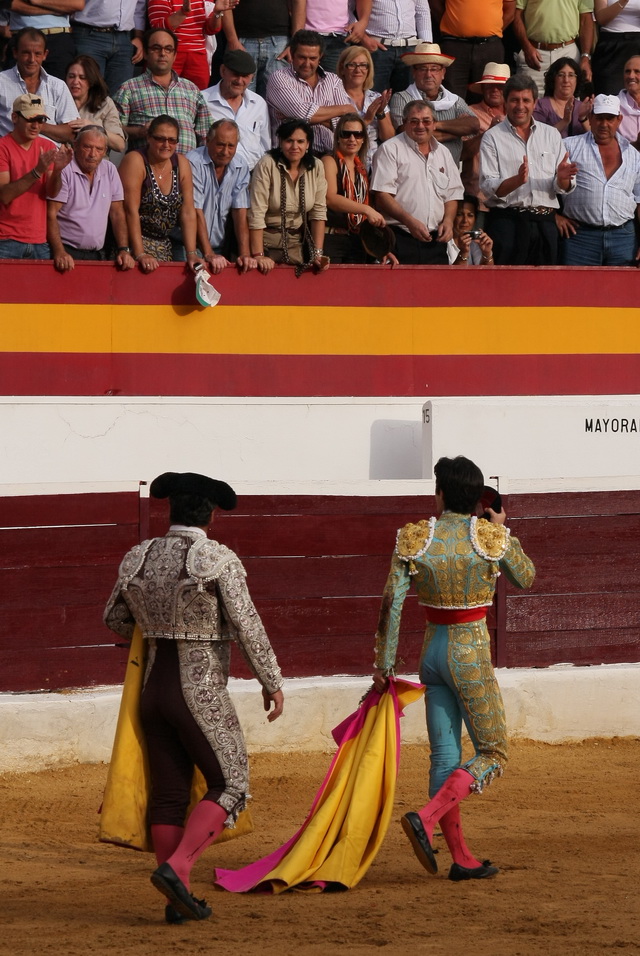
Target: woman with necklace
288	196
348	193
559	106
355	69
158	195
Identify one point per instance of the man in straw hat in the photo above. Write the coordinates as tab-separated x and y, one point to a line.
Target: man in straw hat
189	597
471	31
453	118
489	111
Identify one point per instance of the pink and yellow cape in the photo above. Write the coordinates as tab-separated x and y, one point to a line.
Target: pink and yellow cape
350	814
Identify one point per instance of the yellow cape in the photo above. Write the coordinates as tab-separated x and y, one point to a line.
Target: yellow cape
124	817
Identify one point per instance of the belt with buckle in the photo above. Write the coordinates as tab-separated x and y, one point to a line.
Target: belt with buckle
538	210
398	41
87	26
340	35
446	36
551	46
53	31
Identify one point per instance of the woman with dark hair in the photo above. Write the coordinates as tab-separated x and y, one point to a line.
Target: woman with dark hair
454	560
288	195
91	96
467	249
348	192
158	196
560	106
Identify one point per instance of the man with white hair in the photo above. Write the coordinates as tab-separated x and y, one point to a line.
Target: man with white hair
417	187
90	197
598	216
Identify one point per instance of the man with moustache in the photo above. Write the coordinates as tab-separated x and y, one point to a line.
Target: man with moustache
221	198
233	99
598	217
417	187
161	91
90	197
30	170
453	118
524	166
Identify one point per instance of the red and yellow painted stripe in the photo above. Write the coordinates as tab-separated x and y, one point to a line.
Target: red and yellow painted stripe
351	331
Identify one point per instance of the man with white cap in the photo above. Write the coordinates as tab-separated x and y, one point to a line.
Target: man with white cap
598	216
471	31
453	118
30	168
489	111
524	167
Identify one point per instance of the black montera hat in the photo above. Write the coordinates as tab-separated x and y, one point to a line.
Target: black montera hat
173	483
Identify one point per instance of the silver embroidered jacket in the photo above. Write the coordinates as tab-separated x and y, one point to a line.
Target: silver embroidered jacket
185	587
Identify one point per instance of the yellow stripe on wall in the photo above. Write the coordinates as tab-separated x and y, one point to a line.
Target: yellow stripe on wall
300	330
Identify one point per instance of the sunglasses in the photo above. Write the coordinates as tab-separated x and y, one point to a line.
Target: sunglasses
33	119
346	133
171	140
156	48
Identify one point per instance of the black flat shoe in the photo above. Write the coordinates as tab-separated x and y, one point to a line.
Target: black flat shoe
171	915
413	827
166	880
458	873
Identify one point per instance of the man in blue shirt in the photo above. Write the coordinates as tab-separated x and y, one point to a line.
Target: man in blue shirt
221	197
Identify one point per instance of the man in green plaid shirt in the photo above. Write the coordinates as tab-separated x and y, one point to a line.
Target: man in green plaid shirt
160	90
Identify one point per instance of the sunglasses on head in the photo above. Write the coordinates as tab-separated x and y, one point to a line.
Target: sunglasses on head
346	133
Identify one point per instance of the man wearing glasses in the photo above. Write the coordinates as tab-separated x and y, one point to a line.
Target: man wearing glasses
161	91
30	168
453	118
417	187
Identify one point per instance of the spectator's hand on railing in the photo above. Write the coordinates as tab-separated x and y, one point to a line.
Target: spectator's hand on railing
216	263
125	261
194	261
265	264
246	264
147	262
63	262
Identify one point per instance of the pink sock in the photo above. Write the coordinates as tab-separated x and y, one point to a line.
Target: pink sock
165	839
452	831
456	787
203	826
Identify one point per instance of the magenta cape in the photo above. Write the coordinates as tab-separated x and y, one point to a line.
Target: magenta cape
350	814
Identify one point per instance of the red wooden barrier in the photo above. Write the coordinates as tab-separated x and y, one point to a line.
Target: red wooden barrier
316	567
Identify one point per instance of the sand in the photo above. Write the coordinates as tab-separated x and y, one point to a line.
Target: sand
562	825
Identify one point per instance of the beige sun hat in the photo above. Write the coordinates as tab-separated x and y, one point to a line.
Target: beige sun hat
427	53
493	73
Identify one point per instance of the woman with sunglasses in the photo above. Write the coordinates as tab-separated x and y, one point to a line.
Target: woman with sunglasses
288	202
355	69
559	106
158	195
348	193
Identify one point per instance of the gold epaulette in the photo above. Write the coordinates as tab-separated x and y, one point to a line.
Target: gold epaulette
413	540
489	540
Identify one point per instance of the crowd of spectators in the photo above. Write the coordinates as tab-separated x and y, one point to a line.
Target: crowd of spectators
461	132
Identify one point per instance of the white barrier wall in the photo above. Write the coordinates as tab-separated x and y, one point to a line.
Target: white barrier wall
536	437
556	705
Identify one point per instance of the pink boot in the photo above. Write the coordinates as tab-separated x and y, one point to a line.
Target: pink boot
203	826
419	826
165	839
452	831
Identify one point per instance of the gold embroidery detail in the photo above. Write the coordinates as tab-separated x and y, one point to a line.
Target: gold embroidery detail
489	540
413	540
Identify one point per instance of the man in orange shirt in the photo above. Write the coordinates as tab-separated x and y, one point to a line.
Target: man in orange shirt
471	31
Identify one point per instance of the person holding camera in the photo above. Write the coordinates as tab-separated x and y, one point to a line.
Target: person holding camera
469	246
454	561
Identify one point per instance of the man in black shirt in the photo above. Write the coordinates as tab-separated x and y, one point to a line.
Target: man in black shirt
263	28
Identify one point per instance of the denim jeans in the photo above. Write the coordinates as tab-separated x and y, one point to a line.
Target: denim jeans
12	249
111	51
389	71
333	47
600	247
265	51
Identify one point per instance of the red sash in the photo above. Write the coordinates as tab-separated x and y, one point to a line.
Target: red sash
445	615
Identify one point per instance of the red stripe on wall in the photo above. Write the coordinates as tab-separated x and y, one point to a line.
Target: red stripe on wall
407	286
317	375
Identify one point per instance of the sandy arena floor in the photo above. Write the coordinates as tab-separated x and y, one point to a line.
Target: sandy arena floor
562	825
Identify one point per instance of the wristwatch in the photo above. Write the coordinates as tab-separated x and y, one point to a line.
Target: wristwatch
124	249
